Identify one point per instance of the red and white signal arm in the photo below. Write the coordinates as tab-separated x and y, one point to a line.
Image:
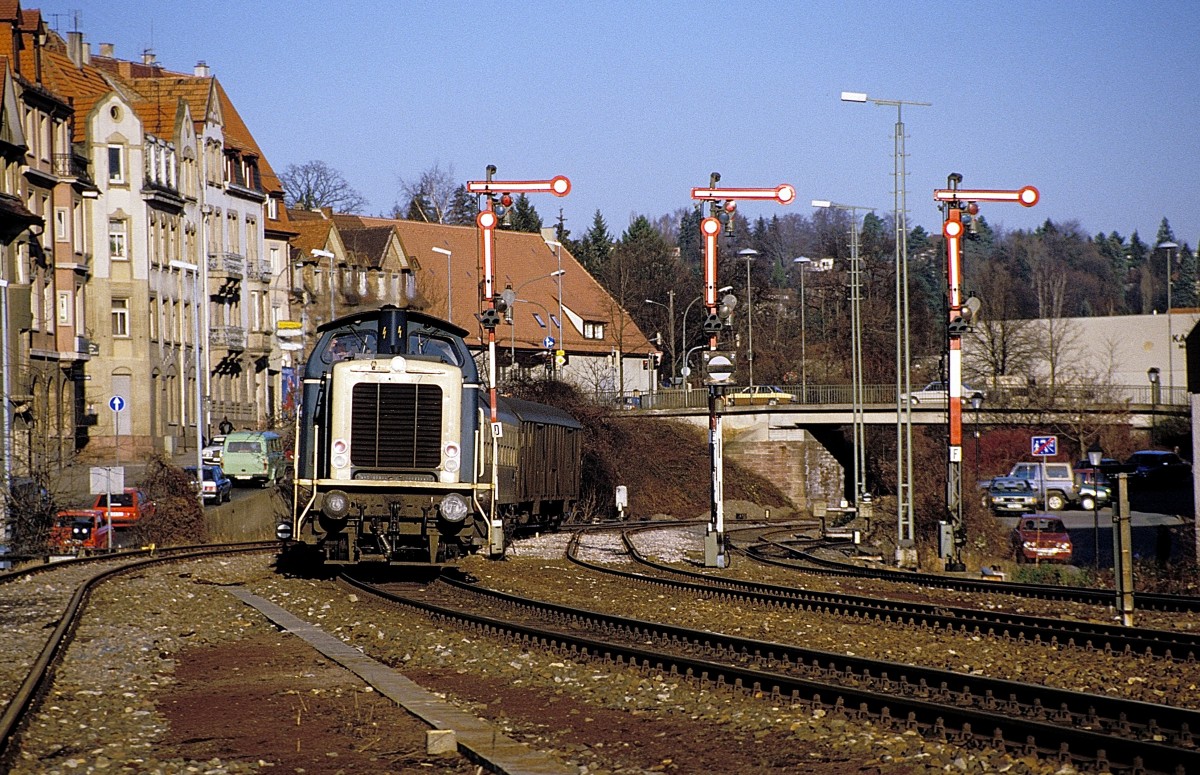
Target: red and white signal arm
783	194
559	185
1027	196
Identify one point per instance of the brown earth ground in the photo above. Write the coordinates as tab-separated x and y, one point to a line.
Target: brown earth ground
273	699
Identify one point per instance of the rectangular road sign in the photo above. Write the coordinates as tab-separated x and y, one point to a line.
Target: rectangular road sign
1044	445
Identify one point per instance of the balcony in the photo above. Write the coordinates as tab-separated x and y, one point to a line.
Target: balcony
72	166
229	337
231	265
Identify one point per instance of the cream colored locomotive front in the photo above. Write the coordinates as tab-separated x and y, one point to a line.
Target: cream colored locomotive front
398	486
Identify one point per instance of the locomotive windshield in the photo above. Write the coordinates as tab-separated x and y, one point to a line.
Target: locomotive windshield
359	336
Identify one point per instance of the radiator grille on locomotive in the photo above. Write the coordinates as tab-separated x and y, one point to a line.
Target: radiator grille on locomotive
396	426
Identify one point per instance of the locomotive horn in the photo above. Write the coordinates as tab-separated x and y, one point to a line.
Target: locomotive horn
391	330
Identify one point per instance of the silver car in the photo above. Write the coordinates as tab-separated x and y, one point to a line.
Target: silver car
939	393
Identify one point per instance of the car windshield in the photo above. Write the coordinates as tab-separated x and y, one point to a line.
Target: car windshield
1044	525
1011	487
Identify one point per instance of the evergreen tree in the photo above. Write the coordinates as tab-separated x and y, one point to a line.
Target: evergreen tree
523	216
463	208
595	246
1164	233
1183	288
691	246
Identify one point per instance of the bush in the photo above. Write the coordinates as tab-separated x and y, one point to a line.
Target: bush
179	517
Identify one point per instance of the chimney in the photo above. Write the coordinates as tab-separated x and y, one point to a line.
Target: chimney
75	48
201	69
107	50
148	56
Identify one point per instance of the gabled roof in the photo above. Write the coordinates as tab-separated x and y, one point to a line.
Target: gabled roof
311	235
523	260
367	247
83	86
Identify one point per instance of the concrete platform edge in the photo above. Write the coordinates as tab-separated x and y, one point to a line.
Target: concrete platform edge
480	739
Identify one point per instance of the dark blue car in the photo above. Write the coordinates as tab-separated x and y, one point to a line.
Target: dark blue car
218	488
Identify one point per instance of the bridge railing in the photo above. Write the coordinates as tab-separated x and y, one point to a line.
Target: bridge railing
1034	397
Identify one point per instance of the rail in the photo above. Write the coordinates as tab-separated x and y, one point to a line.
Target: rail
1060	397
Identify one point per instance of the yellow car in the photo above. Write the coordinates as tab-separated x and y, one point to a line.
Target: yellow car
759	394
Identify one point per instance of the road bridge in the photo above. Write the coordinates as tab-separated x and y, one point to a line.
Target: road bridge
807	425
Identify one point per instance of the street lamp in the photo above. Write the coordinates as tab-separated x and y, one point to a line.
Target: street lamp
510	297
196	303
1095	454
856	364
318	253
670	308
904	465
1169	246
804	262
749	254
449	288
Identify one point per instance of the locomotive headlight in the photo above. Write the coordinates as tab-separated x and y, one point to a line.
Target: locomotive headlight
454	508
398	364
336	504
450	453
338	450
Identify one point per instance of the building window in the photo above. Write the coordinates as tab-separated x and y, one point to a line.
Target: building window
118	240
65	307
60	224
116	164
272	208
593	330
120	317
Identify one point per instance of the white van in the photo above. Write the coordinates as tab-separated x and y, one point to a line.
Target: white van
253	456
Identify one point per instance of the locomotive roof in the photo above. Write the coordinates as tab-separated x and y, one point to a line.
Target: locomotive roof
528	411
372	315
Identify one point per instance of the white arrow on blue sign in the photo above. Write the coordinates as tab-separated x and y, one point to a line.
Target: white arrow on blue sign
1044	445
116	403
548	342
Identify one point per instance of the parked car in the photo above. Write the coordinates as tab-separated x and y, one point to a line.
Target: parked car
1041	538
253	456
939	392
760	394
1006	495
211	454
125	508
1159	467
1060	489
80	531
218	487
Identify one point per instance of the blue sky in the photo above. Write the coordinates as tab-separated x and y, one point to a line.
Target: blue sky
1095	103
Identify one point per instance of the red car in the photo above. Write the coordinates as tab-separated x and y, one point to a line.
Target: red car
79	531
1041	538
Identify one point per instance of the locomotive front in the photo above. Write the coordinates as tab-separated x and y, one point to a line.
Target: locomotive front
386	470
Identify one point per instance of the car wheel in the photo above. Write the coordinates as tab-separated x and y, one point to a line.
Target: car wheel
1055	501
1088	503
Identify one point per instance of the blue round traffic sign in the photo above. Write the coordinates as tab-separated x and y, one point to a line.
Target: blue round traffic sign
116	403
548	342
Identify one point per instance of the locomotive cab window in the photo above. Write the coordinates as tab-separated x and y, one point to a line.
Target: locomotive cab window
437	347
350	344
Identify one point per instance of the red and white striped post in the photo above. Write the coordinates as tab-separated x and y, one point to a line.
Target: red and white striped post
956	200
710	229
487	221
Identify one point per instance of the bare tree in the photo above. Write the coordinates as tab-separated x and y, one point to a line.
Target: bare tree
434	197
314	184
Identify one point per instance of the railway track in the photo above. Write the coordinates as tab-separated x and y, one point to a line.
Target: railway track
769	551
1088	730
58	602
1184	646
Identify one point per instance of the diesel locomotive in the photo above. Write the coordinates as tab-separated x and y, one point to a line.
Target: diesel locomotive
398	459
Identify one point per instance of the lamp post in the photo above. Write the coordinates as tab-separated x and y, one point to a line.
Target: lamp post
804	262
670	308
904	464
196	302
318	253
1168	247
449	287
749	254
1095	454
856	366
510	296
1153	375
